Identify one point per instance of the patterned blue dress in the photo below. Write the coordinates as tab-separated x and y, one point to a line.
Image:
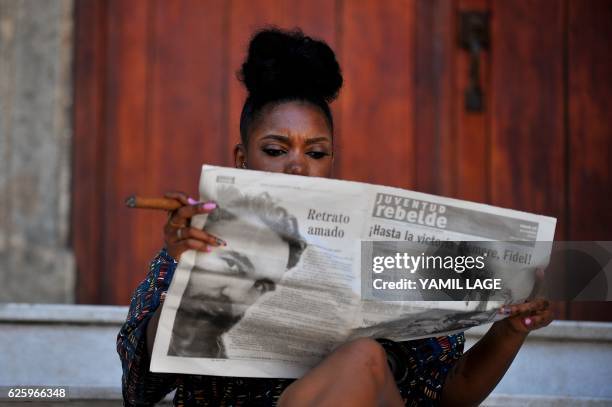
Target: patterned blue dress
428	361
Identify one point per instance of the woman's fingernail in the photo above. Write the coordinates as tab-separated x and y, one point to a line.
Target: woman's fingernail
208	249
505	310
221	242
527	321
209	206
192	201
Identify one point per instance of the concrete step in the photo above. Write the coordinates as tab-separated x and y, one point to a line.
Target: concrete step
566	363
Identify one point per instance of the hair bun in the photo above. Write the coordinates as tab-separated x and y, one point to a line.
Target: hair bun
289	64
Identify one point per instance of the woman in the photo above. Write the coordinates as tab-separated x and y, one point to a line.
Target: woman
286	126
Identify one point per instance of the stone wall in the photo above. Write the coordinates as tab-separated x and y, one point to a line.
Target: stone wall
36	264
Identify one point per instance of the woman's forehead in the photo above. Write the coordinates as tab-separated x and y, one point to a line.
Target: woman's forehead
293	118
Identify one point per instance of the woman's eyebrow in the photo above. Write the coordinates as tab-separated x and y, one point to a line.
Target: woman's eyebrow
317	140
283	139
287	140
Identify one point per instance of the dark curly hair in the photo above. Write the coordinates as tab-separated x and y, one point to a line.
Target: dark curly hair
284	66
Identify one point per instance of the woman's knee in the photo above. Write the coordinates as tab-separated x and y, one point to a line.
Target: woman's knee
361	362
365	348
368	353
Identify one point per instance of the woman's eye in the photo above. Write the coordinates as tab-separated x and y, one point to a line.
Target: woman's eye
264	285
317	155
273	152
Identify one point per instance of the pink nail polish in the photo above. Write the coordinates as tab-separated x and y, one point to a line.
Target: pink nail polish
191	201
208	249
209	206
527	321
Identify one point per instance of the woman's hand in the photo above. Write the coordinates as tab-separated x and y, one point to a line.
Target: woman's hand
179	236
479	370
528	316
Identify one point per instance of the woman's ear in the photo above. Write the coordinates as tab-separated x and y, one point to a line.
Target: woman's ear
240	156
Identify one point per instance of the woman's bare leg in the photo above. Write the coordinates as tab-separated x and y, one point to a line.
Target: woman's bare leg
355	374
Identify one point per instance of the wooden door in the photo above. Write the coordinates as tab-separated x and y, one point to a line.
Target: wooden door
156	96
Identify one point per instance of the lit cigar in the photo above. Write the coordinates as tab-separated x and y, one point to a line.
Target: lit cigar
166	204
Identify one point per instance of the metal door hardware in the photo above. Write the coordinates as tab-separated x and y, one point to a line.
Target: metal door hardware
474	37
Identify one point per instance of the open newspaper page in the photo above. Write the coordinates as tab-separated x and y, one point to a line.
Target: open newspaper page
295	279
432	229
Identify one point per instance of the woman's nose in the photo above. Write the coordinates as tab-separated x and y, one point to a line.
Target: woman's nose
297	164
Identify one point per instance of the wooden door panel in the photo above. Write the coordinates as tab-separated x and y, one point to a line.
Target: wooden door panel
527	112
472	171
590	155
125	138
528	142
156	95
377	142
88	159
434	95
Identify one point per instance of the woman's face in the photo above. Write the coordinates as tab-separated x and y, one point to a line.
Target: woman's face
293	138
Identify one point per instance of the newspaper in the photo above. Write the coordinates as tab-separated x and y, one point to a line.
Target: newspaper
288	287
